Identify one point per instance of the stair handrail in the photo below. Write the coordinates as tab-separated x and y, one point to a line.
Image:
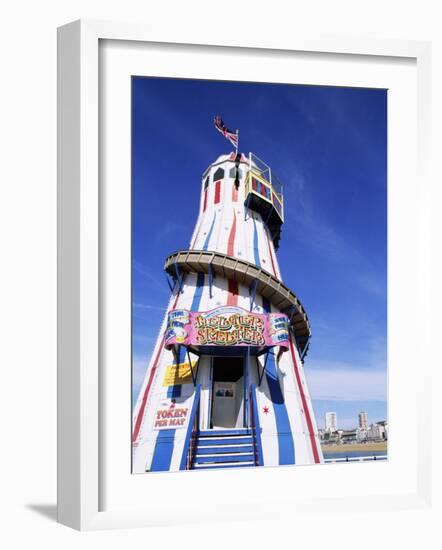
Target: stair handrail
190	443
256	427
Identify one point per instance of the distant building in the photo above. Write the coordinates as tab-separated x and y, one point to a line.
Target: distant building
363	420
330	438
331	422
377	432
349	436
384	423
361	435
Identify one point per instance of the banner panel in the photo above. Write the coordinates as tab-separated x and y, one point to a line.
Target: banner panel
226	326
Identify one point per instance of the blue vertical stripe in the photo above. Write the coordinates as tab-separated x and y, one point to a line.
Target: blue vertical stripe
196	302
255	244
285	438
209	234
162	455
195	306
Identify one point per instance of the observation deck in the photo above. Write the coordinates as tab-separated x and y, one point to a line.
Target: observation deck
263	194
257	279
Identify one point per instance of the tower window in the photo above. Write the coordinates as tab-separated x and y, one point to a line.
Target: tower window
217	192
218	175
206	183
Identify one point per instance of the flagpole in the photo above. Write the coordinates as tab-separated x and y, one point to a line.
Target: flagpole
237	140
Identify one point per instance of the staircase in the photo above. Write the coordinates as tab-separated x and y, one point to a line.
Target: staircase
224	449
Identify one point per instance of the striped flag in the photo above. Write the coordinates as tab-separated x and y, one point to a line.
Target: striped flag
231	136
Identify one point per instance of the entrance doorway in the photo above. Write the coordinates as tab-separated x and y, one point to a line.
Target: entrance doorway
228	393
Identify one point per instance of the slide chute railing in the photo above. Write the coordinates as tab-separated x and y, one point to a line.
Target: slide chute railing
193	429
255	426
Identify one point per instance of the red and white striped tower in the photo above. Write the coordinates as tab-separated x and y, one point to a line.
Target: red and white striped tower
225	386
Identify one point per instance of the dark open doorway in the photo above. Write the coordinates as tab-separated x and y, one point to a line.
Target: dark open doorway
227	393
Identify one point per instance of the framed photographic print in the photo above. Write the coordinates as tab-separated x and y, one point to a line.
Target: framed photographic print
227	382
235	227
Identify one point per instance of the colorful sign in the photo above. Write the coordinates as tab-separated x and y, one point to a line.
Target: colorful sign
170	414
226	326
178	374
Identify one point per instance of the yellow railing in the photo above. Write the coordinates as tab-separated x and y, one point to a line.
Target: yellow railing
256	184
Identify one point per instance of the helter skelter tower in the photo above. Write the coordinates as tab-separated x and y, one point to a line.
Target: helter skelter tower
225	386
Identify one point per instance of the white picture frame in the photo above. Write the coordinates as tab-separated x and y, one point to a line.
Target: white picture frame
80	444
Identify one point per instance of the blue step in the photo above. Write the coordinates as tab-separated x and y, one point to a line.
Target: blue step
216	450
227	441
224	449
212	433
220	465
226	458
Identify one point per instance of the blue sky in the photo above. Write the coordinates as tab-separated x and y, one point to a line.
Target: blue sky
329	147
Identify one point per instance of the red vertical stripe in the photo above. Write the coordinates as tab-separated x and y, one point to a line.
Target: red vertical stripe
205	200
231	242
146	393
217	191
149	384
232	298
304	405
234	194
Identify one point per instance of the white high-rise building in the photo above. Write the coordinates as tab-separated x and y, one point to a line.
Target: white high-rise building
363	420
331	422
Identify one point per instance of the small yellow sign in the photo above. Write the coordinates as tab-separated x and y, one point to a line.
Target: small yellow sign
178	374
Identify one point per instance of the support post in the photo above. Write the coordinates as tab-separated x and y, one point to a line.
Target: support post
210	280
261	375
178	276
171	287
305	348
293	310
197	367
246	389
252	292
191	368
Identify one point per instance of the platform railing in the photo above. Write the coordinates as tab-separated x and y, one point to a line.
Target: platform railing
256	184
255	426
191	441
271	188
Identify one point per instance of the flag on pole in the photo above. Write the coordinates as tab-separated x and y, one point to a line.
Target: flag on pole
228	134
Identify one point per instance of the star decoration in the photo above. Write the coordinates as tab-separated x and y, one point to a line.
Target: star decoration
266	410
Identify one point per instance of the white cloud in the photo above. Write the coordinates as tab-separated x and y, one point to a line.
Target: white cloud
341	382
